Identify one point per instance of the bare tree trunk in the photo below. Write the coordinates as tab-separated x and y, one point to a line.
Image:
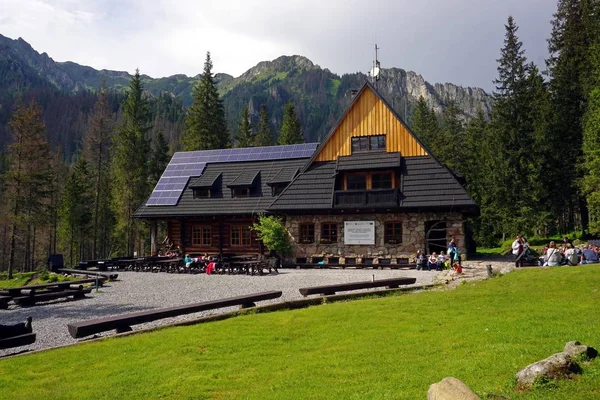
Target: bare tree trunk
27	248
11	258
33	249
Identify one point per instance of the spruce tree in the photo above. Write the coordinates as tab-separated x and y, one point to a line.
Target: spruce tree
419	119
512	164
159	158
76	210
28	179
291	130
205	125
130	164
96	150
244	137
449	146
575	28
591	144
263	136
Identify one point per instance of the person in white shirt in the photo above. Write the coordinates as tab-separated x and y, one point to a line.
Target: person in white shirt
517	250
571	255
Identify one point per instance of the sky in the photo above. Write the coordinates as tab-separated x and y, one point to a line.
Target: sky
456	41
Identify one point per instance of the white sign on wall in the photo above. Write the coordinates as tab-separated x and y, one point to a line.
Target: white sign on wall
359	232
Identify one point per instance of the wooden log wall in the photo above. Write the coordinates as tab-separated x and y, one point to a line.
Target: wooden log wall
370	116
220	236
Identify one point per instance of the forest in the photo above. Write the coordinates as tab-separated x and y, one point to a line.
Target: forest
532	165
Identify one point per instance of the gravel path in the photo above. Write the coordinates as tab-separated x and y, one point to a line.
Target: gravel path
138	291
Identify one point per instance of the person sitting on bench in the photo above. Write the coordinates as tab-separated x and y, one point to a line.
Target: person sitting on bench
22	328
433	262
421	260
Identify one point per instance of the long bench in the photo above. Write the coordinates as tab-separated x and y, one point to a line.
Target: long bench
333	289
110	275
4	302
34	297
55	287
15	341
122	323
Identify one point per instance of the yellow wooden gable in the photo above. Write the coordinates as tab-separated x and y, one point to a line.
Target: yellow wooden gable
369	115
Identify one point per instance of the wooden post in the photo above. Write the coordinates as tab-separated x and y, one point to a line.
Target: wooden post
153	247
182	235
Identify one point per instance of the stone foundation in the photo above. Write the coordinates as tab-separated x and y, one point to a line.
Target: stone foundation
413	235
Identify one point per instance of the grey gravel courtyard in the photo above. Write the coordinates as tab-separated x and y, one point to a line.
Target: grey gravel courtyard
138	291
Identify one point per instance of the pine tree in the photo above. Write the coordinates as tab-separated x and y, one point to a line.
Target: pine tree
425	125
130	163
512	164
244	137
96	149
291	130
206	127
264	136
591	144
575	28
28	177
419	118
159	158
76	209
449	146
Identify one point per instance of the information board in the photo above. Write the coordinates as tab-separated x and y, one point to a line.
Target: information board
359	232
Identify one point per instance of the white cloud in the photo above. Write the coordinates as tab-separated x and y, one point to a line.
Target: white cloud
456	41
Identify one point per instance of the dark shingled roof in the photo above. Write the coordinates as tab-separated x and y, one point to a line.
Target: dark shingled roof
284	176
311	190
426	183
221	202
246	178
368	160
207	180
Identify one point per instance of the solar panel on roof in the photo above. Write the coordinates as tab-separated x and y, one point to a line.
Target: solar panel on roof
184	165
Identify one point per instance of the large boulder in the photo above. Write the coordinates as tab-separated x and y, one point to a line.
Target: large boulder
576	349
559	365
450	389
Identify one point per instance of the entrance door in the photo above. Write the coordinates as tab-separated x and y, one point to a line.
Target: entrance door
435	236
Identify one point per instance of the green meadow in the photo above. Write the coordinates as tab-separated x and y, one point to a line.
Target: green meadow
390	347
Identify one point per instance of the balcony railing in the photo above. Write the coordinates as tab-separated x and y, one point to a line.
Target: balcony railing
366	198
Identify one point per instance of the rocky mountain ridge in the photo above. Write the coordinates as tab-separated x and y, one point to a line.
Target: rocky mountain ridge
320	95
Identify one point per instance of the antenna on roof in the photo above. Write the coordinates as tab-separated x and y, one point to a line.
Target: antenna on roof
375	71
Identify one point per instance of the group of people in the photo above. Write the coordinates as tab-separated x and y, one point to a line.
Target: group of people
554	255
439	261
207	260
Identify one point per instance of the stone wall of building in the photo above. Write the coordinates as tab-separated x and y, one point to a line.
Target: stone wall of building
413	235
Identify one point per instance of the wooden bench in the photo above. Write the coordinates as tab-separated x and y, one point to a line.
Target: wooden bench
34	297
55	286
15	341
122	323
4	302
333	289
107	275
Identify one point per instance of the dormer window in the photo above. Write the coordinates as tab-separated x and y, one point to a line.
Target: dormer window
245	184
203	193
277	189
367	143
240	192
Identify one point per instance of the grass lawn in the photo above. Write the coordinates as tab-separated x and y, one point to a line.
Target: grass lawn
32	278
379	348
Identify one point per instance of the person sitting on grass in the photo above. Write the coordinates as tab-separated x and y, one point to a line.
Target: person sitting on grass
571	257
12	330
589	255
553	255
